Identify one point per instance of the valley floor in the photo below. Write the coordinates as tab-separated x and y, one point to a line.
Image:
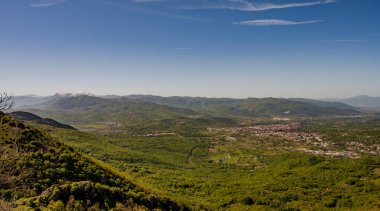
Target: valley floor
268	164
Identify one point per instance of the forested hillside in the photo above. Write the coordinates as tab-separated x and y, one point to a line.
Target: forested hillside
39	172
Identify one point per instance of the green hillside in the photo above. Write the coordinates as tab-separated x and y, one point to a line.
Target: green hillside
94	109
38	172
252	106
154	110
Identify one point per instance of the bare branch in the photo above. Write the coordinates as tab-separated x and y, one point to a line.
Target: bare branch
6	101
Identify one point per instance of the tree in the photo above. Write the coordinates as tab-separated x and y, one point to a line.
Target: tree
6	101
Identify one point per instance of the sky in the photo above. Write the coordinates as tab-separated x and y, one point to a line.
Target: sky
209	48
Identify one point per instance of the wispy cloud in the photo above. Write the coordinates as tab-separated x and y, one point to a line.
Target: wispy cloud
187	48
275	22
47	3
126	6
347	40
147	1
245	5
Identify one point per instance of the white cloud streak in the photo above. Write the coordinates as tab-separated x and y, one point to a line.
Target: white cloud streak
275	22
47	3
249	6
347	40
147	11
147	1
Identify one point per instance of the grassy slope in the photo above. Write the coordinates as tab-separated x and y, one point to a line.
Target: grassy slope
38	172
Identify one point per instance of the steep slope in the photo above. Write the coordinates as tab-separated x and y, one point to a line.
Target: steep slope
38	172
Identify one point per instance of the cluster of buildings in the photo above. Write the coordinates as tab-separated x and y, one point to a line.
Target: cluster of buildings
315	141
349	154
368	149
262	128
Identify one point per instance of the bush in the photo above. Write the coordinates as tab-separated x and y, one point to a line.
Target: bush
56	206
248	201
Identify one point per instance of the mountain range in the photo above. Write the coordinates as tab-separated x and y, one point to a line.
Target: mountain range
361	101
135	109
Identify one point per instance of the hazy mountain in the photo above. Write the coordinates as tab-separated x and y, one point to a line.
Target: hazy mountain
93	109
32	101
322	103
137	108
252	106
361	101
28	101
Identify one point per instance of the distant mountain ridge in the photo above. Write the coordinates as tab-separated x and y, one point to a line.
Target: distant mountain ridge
361	101
93	109
252	106
30	101
27	101
137	108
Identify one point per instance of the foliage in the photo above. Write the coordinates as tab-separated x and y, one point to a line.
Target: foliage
40	172
240	171
164	151
133	110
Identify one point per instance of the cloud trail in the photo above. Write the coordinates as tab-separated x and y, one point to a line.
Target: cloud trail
249	6
274	22
47	3
147	1
147	11
347	40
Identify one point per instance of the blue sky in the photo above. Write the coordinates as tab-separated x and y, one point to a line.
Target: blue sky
212	48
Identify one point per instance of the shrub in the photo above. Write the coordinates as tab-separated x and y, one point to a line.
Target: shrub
248	201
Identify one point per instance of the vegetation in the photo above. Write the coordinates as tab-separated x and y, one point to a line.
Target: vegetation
142	109
252	107
38	172
205	154
215	170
